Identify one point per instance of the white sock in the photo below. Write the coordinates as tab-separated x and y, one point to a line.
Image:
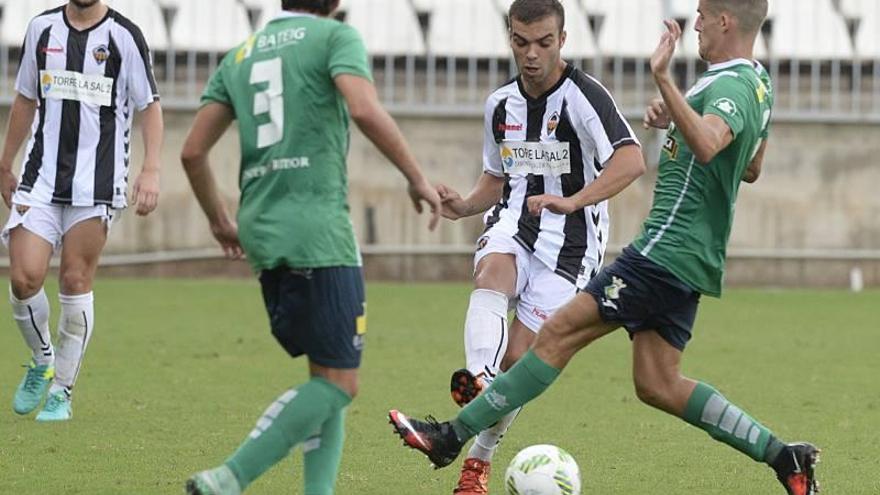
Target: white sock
74	332
485	332
487	441
32	317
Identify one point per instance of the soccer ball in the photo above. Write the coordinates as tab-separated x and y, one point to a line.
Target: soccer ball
543	470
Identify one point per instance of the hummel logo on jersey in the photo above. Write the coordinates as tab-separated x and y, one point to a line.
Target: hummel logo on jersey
496	400
726	105
509	127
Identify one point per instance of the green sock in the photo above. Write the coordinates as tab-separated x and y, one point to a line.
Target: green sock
322	454
522	383
292	418
708	410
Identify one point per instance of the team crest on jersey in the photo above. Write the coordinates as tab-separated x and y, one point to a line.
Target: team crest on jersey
101	54
22	209
553	123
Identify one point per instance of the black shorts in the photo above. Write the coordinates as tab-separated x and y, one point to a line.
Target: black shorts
642	295
319	312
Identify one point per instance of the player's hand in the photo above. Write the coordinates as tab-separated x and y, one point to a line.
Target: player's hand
656	115
227	235
555	204
8	183
424	191
146	191
454	207
662	56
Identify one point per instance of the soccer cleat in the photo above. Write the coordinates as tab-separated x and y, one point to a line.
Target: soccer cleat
33	386
217	481
474	479
57	408
465	387
436	440
795	467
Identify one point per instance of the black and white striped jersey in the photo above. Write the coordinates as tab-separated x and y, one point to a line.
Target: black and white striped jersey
87	83
555	144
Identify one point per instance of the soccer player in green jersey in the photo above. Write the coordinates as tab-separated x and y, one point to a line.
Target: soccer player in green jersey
716	139
292	87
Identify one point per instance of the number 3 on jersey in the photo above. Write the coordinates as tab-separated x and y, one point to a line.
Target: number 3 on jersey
270	100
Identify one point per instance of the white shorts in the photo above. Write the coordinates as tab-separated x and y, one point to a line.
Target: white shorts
51	222
539	290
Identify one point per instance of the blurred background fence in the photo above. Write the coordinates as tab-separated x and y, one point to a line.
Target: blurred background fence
813	218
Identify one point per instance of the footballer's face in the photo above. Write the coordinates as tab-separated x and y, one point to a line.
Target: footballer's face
536	48
84	4
709	27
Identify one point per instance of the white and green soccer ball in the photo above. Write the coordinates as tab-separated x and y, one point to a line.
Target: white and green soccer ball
543	470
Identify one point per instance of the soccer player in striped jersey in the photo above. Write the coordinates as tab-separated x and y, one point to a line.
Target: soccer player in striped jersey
85	70
553	135
292	87
716	138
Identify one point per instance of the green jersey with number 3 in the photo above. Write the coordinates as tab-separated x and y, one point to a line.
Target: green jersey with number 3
293	128
692	214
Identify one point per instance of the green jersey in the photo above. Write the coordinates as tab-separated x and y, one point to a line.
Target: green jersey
293	128
692	214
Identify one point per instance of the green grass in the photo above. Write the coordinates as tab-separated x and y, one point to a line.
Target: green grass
179	371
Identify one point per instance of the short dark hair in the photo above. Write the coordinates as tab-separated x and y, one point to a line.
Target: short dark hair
321	7
529	11
749	13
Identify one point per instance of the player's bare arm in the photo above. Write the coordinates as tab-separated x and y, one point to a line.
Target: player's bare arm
21	116
625	166
146	186
754	169
211	122
375	122
486	192
705	135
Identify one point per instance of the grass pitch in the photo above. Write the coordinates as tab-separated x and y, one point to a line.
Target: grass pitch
179	371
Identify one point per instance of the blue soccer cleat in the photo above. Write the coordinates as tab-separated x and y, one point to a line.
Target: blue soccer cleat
57	408
33	387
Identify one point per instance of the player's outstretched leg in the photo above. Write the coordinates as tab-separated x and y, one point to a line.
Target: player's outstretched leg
442	442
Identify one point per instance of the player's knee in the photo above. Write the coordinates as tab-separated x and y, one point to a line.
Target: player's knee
24	285
75	282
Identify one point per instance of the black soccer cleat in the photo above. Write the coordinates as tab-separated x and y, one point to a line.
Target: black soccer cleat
795	468
465	387
436	440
